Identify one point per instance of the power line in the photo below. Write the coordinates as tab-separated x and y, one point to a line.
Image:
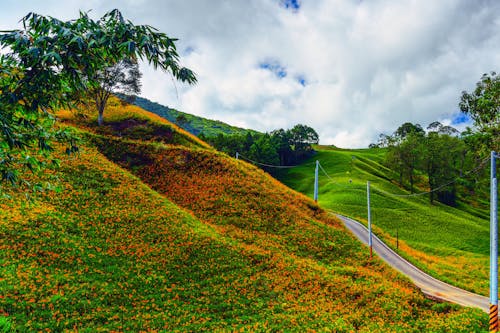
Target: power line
326	174
330	178
475	170
333	182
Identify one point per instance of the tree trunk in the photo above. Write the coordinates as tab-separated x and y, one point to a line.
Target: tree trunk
101	99
411	181
100	117
430	174
431	189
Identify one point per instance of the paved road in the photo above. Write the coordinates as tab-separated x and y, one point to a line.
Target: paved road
429	285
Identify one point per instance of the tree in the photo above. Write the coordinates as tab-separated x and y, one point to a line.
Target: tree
280	147
437	127
406	129
384	140
303	135
301	139
52	61
404	151
410	154
264	151
281	139
123	77
394	160
442	159
440	155
483	106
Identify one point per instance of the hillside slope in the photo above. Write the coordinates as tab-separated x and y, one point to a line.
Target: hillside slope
193	124
217	245
108	253
446	242
130	121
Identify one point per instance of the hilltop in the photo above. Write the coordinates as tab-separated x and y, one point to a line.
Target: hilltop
154	230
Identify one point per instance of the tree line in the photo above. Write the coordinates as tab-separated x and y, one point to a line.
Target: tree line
449	163
279	147
438	155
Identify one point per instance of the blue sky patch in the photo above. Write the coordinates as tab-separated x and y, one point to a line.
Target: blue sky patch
188	50
302	80
291	4
460	118
275	67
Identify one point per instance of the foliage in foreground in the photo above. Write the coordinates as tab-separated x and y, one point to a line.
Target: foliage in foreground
51	62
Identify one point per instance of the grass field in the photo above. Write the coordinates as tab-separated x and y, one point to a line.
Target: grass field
151	235
449	243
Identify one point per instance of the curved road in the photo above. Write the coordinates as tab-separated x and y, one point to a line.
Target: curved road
430	286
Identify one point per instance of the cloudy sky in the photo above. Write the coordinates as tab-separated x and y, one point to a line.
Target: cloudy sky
351	69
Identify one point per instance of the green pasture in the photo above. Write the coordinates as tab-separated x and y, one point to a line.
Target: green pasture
454	241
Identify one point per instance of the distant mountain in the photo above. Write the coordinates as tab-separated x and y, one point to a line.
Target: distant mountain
193	124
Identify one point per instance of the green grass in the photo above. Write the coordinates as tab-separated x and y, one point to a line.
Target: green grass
451	244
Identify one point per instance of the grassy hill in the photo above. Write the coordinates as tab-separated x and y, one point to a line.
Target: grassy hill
449	243
158	232
193	124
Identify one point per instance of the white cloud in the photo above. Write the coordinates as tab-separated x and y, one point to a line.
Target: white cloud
369	66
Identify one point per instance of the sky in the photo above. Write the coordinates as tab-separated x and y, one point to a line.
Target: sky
350	69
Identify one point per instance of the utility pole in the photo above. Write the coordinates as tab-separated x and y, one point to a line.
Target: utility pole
316	181
369	219
493	245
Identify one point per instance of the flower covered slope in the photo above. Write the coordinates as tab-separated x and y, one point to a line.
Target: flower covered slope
157	233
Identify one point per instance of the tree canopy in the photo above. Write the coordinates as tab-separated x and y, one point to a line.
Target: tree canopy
50	62
483	106
123	77
280	147
440	155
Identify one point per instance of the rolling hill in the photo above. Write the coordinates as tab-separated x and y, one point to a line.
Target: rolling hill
193	124
154	231
449	243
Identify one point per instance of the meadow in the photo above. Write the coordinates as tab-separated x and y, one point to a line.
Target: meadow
449	243
165	234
